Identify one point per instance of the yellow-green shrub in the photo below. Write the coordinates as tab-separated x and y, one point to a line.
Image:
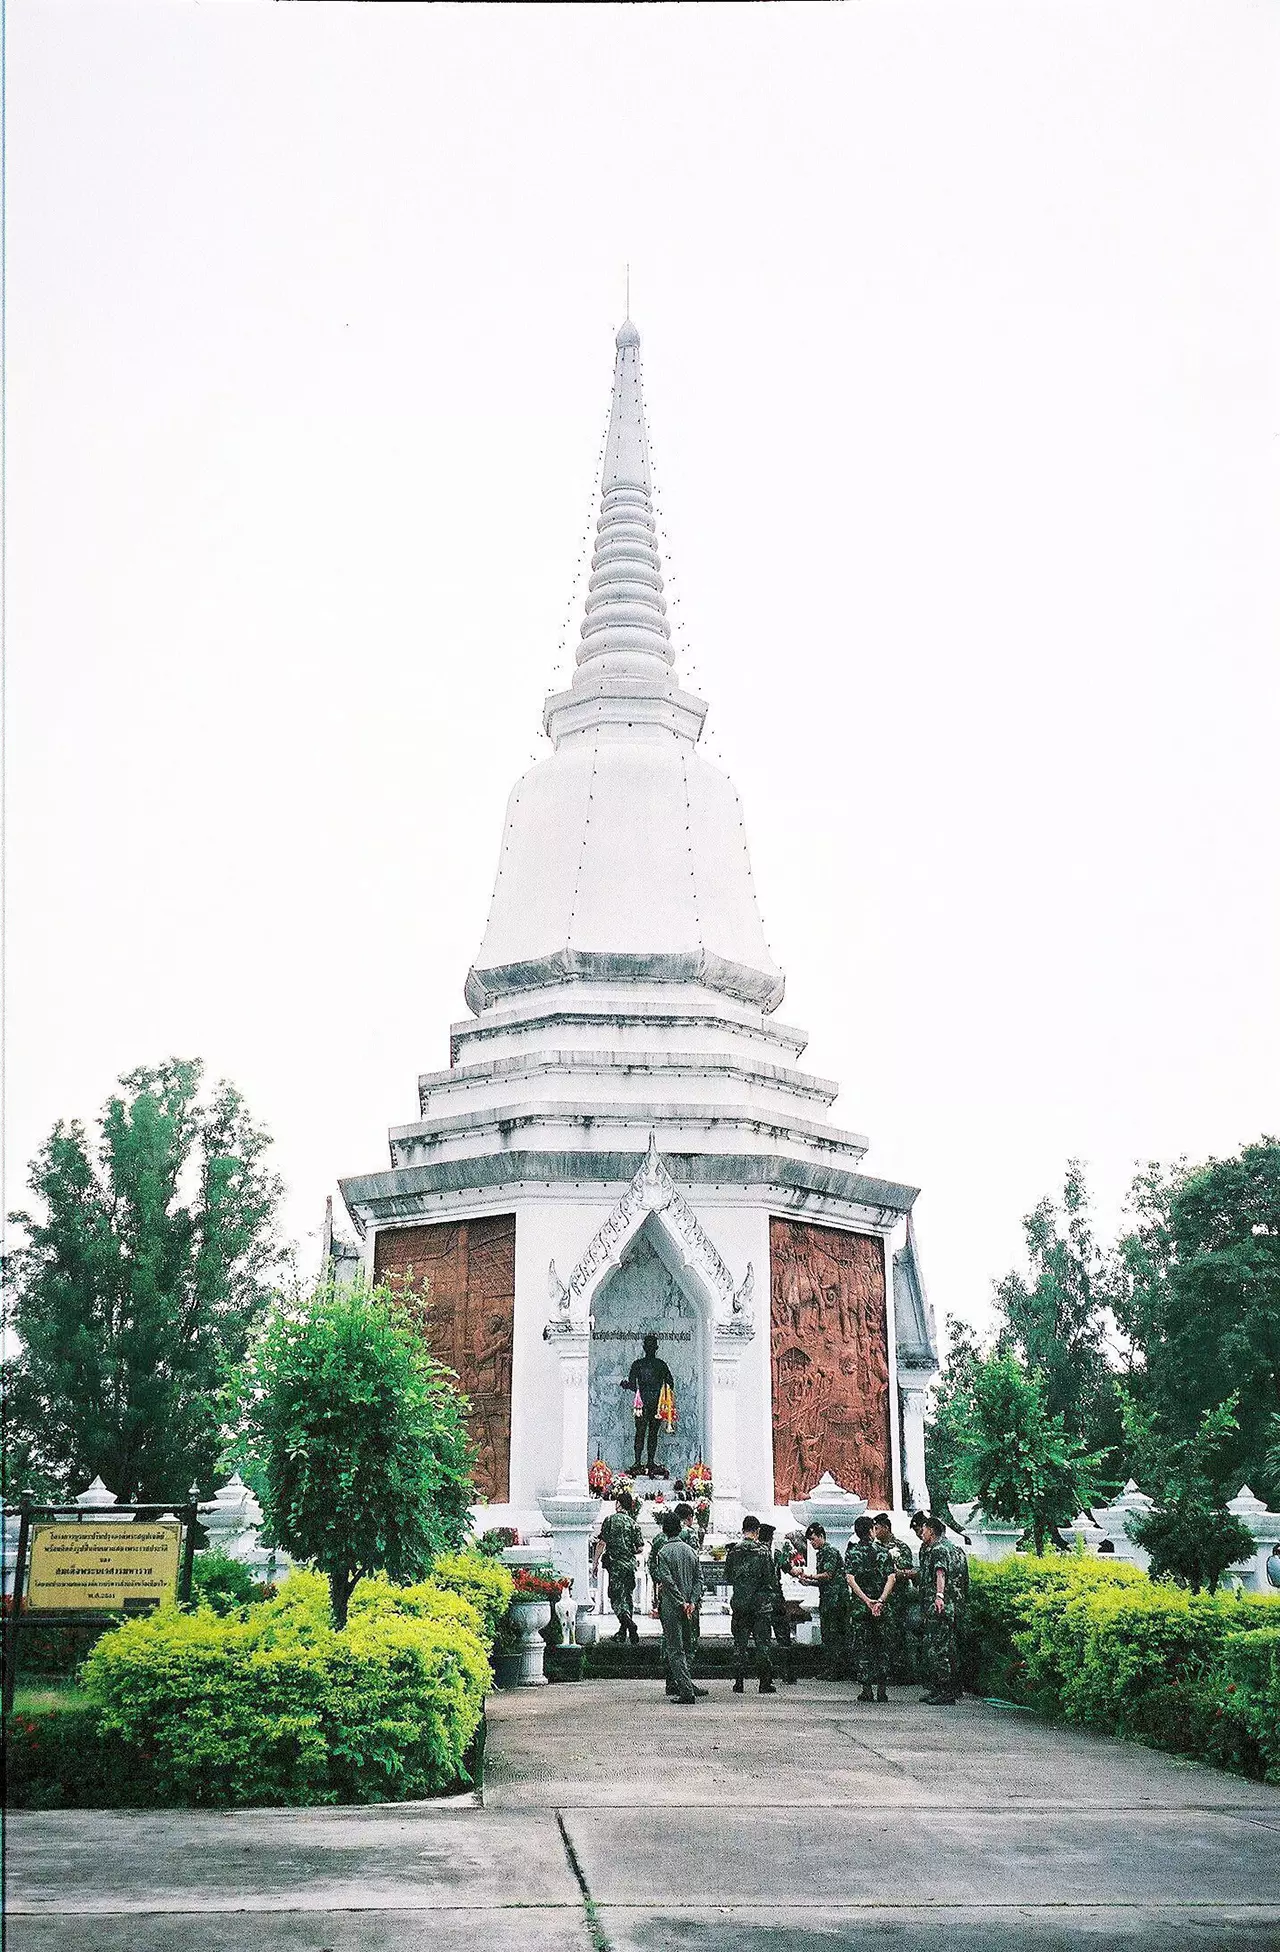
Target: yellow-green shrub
1102	1644
1251	1689
485	1582
275	1706
425	1601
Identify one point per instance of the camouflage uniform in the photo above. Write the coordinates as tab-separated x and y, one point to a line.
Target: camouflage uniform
623	1541
749	1570
782	1557
871	1566
833	1609
941	1656
898	1650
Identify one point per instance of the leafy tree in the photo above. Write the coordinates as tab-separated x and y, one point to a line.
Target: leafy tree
1055	1316
946	1433
1019	1462
362	1438
1191	1536
137	1289
1197	1288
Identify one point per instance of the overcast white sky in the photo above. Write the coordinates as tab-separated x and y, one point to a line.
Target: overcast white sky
959	326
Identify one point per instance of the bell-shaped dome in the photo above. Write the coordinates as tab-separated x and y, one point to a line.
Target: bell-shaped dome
624	856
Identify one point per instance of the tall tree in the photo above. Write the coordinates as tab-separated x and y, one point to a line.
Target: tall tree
946	1434
362	1435
1019	1462
1198	1291
135	1293
1191	1536
1055	1314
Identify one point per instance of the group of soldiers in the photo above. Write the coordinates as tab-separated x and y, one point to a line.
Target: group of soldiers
868	1598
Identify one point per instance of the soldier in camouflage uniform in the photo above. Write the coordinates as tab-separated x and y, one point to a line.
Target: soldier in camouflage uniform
783	1557
940	1580
833	1600
898	1649
621	1542
691	1624
749	1570
870	1579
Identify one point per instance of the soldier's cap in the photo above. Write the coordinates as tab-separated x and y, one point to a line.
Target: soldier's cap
766	1534
883	1518
815	1531
862	1526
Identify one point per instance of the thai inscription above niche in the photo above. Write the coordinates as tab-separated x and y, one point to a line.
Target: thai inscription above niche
830	1356
460	1280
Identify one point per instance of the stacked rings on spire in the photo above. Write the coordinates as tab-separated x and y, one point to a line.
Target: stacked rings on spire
626	615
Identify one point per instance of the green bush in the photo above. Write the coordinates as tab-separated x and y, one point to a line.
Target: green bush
485	1582
222	1582
57	1757
272	1704
1251	1690
425	1601
1103	1645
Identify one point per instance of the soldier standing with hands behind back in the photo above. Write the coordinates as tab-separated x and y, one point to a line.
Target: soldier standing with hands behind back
870	1579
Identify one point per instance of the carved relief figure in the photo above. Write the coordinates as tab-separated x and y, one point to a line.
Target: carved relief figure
460	1279
830	1361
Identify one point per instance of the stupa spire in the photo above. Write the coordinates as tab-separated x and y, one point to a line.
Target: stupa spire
625	655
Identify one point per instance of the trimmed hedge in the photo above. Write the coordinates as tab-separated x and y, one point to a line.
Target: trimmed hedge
1105	1646
270	1705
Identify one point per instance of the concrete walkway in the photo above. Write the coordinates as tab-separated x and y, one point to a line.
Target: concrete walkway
612	1820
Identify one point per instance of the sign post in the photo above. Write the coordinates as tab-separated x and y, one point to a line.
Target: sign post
79	1568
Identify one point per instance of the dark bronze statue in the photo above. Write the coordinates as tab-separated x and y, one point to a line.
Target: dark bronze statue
647	1378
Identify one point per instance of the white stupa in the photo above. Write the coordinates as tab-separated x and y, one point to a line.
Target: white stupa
623	1142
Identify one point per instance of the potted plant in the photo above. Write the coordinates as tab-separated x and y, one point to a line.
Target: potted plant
508	1652
537	1591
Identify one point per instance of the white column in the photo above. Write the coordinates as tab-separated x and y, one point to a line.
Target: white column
891	1335
724	1426
915	1399
572	1351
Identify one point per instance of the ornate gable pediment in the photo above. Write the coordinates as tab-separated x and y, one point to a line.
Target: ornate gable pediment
652	1191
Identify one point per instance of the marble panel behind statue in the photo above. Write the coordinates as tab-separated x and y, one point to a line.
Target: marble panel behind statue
639	1296
830	1358
460	1279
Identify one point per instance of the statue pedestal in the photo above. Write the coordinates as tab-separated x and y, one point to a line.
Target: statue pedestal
572	1522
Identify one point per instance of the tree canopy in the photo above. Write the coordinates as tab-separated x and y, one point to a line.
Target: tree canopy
1017	1461
138	1286
362	1437
1197	1286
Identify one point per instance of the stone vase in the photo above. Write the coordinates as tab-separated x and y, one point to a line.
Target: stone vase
584	1631
530	1617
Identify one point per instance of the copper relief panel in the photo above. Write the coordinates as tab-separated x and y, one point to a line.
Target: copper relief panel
461	1279
830	1361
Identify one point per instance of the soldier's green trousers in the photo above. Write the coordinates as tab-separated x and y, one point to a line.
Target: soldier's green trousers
784	1635
833	1624
749	1625
622	1591
870	1649
941	1655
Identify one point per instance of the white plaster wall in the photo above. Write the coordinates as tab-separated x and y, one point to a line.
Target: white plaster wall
559	1228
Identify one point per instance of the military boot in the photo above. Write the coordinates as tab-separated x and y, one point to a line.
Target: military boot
882	1693
739	1684
767	1687
867	1695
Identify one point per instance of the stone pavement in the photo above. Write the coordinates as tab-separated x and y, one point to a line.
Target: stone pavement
800	1822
